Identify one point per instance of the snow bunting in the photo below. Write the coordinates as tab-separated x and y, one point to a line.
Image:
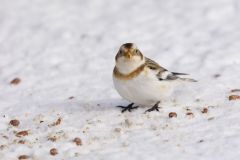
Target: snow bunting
141	80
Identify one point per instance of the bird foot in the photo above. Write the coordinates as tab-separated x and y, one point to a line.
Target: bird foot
128	108
154	108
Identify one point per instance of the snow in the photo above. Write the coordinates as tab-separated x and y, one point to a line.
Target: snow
62	48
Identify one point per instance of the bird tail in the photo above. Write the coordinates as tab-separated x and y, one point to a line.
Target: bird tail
188	79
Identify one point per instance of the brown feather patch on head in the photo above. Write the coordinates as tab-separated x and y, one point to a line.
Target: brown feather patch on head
127	45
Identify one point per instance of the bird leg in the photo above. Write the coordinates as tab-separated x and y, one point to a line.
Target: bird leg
128	108
155	107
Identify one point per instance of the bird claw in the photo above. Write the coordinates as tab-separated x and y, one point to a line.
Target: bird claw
128	108
154	108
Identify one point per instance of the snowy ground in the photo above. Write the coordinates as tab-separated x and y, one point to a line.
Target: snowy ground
64	48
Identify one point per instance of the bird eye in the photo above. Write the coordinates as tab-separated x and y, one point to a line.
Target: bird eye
136	51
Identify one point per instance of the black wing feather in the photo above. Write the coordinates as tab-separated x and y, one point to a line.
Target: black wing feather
176	73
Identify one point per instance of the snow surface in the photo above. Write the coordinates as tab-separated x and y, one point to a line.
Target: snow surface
64	48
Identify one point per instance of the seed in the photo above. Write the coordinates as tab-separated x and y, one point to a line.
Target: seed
14	122
172	114
15	81
53	151
78	141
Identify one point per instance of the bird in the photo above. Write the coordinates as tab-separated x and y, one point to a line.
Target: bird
142	81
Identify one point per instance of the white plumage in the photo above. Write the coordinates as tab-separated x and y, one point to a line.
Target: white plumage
145	89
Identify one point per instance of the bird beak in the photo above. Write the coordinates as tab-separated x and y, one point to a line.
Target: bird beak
128	55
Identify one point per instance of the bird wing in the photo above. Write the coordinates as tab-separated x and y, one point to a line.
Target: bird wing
164	74
153	65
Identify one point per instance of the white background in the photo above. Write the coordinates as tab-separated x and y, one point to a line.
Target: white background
63	48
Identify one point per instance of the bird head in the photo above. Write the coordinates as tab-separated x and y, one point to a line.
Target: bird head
129	57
